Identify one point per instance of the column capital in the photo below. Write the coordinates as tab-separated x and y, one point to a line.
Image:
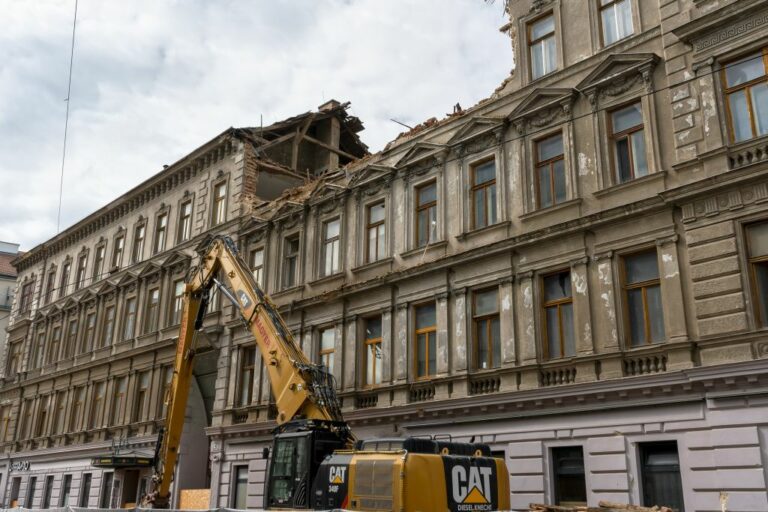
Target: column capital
351	319
524	275
579	261
459	292
605	255
661	242
402	306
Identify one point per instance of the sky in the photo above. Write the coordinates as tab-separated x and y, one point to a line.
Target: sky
154	79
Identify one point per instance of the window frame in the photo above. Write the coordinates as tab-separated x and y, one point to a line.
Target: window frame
66	268
50	285
530	42
614	139
142	394
176	300
336	248
181	234
152	311
118	249
474	188
752	262
161	230
236	468
488	319
558	303
549	162
555	474
137	250
727	91
375	226
247	367
89	333
26	297
625	287
257	270
326	354
99	255
418	209
219	203
601	27
295	257
368	344
132	316
104	342
429	332
81	274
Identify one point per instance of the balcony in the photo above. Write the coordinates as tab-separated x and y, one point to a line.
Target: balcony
421	392
744	154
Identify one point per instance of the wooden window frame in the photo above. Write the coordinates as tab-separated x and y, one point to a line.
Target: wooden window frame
422	208
99	255
78	409
219	203
137	252
430	331
104	342
142	392
161	231
486	318
27	294
293	258
558	303
176	300
119	401
257	270
551	163
54	345
126	316
369	343
727	91
152	310
335	242
754	261
624	134
50	285
118	251
601	28
528	30
324	354
66	268
87	341
181	233
70	345
483	186
80	271
248	368
374	226
644	285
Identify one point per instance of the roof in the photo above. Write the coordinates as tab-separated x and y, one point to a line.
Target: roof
6	269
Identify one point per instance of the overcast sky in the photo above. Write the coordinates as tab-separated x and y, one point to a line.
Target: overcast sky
152	80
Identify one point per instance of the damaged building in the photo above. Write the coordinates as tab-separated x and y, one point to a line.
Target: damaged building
572	271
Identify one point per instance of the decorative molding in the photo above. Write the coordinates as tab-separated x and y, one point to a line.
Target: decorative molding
725	201
579	261
735	29
667	240
605	255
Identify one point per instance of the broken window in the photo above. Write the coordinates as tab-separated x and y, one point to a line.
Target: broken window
542	46
376	228
328	347
426	340
628	141
616	20
185	221
558	316
331	247
373	352
550	171
247	372
746	93
642	293
487	330
483	194
426	214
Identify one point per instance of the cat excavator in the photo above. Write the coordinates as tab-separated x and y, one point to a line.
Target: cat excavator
317	464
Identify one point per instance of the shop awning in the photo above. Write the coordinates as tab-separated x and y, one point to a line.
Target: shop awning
128	459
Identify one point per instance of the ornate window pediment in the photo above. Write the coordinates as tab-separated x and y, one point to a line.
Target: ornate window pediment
105	288
617	74
128	279
371	176
543	107
150	269
422	154
70	303
477	134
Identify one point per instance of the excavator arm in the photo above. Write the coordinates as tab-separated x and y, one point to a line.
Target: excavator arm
302	390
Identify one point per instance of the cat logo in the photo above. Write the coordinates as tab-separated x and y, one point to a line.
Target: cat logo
337	474
471	487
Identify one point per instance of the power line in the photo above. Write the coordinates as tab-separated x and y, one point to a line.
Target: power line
66	122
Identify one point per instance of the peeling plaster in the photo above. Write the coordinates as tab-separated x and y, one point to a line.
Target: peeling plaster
459	317
587	333
708	104
670	266
679	95
683	135
689	119
604	273
608	304
585	165
579	282
506	303
527	297
687	75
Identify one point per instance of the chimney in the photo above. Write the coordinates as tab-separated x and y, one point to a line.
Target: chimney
328	106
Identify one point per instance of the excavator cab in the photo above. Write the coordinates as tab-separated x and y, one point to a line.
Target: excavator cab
296	457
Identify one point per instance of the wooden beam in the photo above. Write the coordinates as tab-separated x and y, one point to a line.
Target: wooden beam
297	140
330	148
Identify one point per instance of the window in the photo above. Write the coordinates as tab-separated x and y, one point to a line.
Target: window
82	262
5	420
138	243
98	262
142	388
90	331
241	488
118	401
109	326
616	20
64	278
78	409
373	354
85	490
484	194
15	489
426	341
71	344
426	214
757	248
219	203
31	491
485	319
129	325
27	291
569	482
27	420
291	262
153	308
97	406
257	265
66	491
558	316
377	231
660	468
39	349
628	141
746	91
161	230
331	247
106	490
642	293
42	416
247	368
550	171
185	221
47	491
117	251
14	359
49	285
53	352
177	305
327	347
60	404
542	46
167	378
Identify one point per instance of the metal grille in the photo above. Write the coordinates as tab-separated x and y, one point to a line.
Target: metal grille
373	484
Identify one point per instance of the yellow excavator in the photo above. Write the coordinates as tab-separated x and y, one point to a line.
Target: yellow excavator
317	464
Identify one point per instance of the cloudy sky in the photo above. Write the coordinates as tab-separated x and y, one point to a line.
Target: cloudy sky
152	80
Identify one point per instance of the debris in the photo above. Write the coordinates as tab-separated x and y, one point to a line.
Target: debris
603	506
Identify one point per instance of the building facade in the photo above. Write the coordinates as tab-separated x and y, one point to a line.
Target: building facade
572	271
8	252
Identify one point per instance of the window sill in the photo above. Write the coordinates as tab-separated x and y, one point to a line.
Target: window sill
644	180
428	248
327	279
499	226
374	264
287	291
571	203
